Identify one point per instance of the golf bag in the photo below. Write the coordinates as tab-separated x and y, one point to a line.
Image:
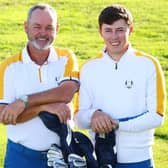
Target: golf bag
74	145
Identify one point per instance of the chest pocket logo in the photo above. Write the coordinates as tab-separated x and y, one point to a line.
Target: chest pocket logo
129	84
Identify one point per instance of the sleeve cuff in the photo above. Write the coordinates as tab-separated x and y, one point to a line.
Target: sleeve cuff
69	79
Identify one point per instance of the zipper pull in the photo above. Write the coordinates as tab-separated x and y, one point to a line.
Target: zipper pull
116	66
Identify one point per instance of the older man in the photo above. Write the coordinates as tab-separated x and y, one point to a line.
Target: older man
38	67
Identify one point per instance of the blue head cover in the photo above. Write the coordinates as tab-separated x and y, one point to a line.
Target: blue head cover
53	123
84	146
71	142
104	148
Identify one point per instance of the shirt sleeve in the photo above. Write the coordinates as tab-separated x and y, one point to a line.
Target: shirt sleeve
85	107
7	93
71	71
155	102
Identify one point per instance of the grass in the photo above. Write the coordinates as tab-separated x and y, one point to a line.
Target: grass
79	31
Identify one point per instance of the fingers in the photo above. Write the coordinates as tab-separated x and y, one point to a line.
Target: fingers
61	110
64	115
11	111
101	123
7	116
2	116
61	116
7	119
102	126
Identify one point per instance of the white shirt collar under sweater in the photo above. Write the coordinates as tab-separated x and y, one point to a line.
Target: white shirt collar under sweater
51	58
123	58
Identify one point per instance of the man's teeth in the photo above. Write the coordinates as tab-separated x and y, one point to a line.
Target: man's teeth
41	39
115	43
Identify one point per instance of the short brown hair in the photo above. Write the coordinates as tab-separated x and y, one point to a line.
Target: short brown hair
112	13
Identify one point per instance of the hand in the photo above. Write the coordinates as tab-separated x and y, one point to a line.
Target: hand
11	111
102	122
62	110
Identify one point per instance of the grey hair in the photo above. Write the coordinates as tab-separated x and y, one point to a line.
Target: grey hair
41	6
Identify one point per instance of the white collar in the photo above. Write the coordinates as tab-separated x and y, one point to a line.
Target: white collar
51	58
125	55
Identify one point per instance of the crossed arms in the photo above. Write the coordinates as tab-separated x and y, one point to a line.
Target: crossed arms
54	101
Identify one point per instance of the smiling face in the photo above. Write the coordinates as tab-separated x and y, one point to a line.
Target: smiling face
116	37
41	29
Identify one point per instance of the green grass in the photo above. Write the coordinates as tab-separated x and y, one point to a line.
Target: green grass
79	31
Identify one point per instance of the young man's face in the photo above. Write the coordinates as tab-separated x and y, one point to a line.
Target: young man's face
116	37
41	29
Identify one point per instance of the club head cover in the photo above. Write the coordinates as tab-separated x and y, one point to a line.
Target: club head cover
84	147
104	149
71	142
52	122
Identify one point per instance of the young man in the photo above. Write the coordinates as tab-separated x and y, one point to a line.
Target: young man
122	88
38	67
